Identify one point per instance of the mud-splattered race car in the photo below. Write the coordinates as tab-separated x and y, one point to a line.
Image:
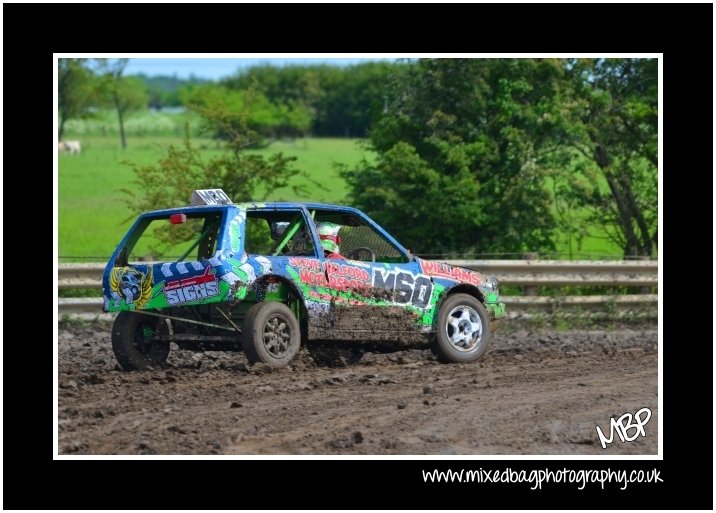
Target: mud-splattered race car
263	277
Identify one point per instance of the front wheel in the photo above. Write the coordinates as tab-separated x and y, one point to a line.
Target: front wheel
135	343
463	329
271	334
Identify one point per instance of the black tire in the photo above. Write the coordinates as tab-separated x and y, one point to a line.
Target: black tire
133	343
271	334
463	330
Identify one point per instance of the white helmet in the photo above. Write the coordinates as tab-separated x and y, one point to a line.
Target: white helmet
328	233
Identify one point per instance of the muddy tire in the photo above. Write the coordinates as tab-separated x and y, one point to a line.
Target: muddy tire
271	334
463	330
133	342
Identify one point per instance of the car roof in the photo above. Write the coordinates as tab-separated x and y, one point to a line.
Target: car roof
258	205
287	204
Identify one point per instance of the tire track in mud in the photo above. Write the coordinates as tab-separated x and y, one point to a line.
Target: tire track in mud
534	392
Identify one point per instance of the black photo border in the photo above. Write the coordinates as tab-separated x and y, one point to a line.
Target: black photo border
33	32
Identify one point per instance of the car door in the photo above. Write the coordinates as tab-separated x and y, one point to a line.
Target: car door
375	291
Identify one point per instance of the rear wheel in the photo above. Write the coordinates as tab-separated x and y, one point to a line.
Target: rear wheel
463	329
135	344
271	334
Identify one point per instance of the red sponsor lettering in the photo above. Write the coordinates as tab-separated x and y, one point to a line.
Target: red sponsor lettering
343	283
348	271
313	278
335	275
443	270
304	263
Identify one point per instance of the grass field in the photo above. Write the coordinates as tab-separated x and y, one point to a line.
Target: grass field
93	217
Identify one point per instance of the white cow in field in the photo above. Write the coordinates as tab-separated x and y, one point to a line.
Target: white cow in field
72	147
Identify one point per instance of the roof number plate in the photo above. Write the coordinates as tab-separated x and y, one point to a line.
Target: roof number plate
209	197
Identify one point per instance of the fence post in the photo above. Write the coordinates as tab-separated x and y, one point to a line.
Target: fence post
643	290
530	290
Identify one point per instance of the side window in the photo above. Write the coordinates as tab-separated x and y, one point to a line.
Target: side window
352	237
176	239
258	236
278	233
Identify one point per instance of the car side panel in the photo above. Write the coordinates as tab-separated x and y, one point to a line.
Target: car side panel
172	284
347	299
224	277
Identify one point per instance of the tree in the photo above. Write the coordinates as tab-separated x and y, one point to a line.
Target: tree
341	101
352	97
611	120
522	152
76	90
125	94
295	85
182	168
230	113
460	164
164	90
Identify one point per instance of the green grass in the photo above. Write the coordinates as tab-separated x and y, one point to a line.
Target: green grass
318	157
595	244
93	218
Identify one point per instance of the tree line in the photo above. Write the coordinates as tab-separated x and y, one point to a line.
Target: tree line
280	102
336	101
85	85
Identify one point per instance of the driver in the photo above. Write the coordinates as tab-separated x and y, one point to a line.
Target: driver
328	233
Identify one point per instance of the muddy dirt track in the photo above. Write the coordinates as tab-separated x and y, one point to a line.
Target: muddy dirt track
534	392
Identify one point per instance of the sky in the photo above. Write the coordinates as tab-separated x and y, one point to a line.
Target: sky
219	67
